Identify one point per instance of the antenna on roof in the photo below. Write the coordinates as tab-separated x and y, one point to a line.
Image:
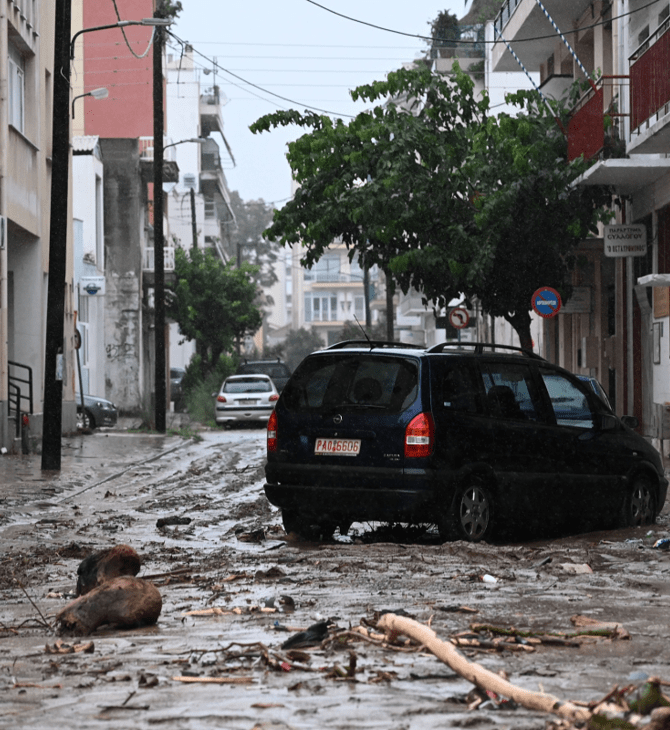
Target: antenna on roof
365	334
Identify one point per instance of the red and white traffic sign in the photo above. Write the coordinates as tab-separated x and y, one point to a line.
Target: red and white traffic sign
459	318
546	301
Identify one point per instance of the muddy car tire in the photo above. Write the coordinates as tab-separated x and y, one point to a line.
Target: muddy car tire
305	526
85	420
472	512
639	506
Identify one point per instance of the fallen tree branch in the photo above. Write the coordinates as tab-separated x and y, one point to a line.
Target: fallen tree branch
478	675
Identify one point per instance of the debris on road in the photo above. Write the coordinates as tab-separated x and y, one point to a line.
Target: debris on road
124	602
103	566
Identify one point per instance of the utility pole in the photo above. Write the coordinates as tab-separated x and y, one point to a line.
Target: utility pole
160	391
54	353
194	225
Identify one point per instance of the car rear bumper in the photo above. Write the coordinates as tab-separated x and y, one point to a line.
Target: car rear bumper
229	415
399	504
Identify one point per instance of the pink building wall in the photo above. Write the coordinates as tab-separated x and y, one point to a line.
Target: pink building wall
108	62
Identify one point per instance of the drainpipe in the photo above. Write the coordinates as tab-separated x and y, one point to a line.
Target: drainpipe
4	144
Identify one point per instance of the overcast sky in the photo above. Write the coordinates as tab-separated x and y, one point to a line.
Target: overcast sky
302	52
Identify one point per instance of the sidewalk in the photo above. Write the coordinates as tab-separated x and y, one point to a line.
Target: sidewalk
97	455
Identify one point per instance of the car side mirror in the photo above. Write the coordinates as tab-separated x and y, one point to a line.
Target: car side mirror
607	421
630	421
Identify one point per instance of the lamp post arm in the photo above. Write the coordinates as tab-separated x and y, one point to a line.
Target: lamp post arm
119	24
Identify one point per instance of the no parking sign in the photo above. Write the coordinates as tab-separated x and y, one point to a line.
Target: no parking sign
546	301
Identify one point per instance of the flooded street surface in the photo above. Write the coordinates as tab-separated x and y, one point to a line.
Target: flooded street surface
234	588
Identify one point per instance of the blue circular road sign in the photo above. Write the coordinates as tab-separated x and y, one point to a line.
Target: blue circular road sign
546	301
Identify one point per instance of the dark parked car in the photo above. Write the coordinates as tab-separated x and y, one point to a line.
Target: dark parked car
277	369
245	398
176	387
597	388
472	437
97	412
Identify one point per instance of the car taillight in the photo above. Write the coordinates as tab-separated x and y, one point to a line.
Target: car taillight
221	398
272	432
420	436
273	397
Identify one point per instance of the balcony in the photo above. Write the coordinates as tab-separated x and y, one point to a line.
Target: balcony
595	121
650	94
148	260
170	167
521	19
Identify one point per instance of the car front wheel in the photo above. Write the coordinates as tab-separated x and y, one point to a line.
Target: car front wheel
84	420
472	517
639	505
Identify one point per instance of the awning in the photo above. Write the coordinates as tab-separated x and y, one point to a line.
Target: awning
628	175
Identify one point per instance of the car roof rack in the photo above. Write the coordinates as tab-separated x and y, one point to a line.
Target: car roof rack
372	344
479	348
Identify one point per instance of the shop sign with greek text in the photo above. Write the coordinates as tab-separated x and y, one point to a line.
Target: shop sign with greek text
625	240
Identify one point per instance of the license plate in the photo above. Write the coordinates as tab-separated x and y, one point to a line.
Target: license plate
338	447
247	401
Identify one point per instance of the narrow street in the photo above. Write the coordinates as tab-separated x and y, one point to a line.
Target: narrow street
235	587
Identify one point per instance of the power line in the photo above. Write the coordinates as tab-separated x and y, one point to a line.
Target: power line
256	86
475	42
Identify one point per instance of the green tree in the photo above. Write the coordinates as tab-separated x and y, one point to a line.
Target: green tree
446	198
297	345
247	240
213	303
388	181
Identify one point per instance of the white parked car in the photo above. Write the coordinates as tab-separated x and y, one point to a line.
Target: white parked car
245	398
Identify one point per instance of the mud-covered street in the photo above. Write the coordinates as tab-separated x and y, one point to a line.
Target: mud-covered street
235	588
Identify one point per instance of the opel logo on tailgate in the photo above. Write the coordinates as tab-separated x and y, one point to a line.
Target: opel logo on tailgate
337	418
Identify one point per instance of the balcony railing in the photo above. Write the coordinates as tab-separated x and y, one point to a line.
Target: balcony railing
506	12
168	259
594	128
649	78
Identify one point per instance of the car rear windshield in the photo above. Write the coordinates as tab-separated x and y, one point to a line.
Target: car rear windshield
353	382
247	385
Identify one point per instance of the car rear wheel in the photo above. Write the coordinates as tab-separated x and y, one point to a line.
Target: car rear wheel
305	526
639	506
472	515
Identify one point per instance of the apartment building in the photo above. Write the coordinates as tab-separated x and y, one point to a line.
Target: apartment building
26	81
622	124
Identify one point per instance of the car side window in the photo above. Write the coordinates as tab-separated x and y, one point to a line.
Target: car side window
571	406
459	389
510	391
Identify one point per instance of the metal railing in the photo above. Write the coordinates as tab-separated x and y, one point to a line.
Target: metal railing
16	394
649	80
594	127
506	12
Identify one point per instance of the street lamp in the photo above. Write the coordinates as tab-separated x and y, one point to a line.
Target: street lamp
156	22
194	227
101	93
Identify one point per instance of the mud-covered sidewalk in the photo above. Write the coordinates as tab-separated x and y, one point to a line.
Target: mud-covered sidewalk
235	588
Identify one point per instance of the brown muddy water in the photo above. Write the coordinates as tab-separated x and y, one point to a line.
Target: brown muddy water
235	587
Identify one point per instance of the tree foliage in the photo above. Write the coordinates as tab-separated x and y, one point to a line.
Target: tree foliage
252	218
447	198
297	345
213	303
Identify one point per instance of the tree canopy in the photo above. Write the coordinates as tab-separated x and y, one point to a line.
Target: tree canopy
247	240
444	196
213	303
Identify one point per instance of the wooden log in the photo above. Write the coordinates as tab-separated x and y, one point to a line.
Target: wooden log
125	602
478	675
99	567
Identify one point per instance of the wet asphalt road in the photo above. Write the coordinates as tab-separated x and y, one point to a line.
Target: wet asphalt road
232	583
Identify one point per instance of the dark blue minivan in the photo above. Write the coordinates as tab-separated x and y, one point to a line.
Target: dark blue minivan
469	436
